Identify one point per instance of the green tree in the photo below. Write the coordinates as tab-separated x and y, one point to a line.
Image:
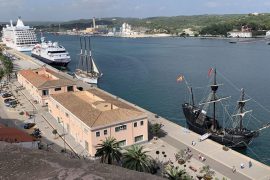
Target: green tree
2	74
208	173
109	151
155	128
137	159
175	173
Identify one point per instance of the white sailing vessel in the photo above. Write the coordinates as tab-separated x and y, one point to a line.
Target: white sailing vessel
87	70
19	37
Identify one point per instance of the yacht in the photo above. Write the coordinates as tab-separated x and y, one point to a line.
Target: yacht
51	53
267	35
19	37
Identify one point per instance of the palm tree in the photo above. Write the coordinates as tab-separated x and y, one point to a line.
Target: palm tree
109	151
175	173
135	158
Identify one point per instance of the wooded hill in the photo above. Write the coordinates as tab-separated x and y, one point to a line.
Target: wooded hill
203	24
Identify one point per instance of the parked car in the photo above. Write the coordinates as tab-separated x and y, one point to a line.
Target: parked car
10	102
28	125
36	133
3	92
3	83
6	95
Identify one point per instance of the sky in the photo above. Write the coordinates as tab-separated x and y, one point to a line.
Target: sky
64	10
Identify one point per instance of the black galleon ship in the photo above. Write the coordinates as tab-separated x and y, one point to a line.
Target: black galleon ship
199	121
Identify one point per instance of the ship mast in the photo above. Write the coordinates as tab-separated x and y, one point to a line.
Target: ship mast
241	105
81	55
90	54
214	88
85	54
192	96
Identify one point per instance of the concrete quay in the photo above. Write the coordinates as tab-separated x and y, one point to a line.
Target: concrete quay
180	138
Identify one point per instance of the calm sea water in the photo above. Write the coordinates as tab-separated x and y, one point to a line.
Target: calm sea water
144	71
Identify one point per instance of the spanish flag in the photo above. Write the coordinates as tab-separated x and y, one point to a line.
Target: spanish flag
210	71
180	78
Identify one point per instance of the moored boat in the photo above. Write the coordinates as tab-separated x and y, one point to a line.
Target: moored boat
19	37
87	69
199	120
51	53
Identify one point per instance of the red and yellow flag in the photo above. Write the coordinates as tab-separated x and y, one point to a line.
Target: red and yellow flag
210	71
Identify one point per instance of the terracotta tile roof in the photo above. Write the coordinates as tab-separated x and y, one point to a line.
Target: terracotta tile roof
97	113
42	81
13	135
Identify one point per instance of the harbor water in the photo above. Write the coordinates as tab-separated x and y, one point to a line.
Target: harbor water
144	71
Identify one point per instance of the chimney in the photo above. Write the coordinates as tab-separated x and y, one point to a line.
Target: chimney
94	22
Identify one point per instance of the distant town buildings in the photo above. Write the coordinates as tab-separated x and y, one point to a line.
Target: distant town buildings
42	82
95	29
189	32
92	116
244	33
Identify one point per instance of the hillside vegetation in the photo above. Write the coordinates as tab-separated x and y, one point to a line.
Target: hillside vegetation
203	24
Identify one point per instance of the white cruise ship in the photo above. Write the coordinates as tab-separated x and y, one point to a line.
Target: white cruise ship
19	37
51	53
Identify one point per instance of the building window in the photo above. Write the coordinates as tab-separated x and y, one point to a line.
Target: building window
97	134
57	106
105	132
45	92
122	143
141	123
70	88
138	138
57	89
135	124
67	115
120	128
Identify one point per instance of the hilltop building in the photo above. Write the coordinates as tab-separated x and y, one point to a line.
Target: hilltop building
94	115
42	82
96	29
244	33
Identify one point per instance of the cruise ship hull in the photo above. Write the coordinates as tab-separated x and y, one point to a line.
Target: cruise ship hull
18	48
62	63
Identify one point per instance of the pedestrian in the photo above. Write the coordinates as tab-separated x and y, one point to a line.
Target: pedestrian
249	164
233	169
200	156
